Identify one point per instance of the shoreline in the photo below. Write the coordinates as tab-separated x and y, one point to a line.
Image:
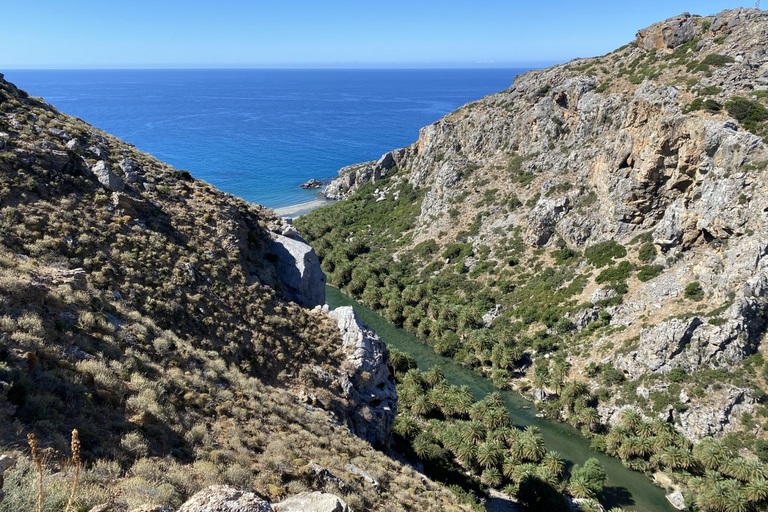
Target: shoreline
300	209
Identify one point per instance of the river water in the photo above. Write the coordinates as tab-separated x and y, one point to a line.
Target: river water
625	488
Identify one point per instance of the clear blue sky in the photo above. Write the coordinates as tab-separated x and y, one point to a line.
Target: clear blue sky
322	33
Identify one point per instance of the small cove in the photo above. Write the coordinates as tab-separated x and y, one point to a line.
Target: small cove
626	488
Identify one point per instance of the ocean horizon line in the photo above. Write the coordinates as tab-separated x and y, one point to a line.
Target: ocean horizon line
533	65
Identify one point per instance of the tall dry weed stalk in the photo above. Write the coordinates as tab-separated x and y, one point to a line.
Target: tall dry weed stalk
76	461
36	457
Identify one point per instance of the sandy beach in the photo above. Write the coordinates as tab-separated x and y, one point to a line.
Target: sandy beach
297	210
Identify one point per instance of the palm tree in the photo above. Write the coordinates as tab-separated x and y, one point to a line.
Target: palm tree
490	453
399	360
714	499
756	490
451	437
554	462
462	400
501	356
737	468
494	399
581	403
756	470
615	439
660	425
646	446
736	500
509	466
724	496
434	375
465	452
474	432
712	453
422	446
626	450
589	417
555	384
630	418
491	477
662	440
522	471
560	369
675	457
579	489
645	429
590	506
406	426
506	434
413	377
540	376
422	406
632	447
533	446
496	417
574	390
478	410
517	450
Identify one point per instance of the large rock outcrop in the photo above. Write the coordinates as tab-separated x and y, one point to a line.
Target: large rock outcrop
668	34
223	498
312	502
298	269
353	176
367	383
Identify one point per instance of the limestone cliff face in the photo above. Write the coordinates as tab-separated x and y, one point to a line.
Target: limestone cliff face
643	141
367	384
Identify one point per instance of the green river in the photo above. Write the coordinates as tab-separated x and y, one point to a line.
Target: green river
625	488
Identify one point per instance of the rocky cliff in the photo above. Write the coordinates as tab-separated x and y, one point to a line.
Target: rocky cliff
613	205
368	384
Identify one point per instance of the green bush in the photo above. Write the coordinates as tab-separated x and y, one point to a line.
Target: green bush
614	274
611	375
708	105
648	272
454	251
710	90
603	86
603	253
677	375
647	252
565	255
748	112
693	291
425	248
713	59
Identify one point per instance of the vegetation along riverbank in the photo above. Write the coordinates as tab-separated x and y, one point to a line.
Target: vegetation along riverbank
594	237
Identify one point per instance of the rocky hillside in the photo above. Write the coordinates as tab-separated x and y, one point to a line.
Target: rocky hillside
601	222
170	324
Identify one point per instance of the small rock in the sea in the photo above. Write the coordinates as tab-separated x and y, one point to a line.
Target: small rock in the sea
313	183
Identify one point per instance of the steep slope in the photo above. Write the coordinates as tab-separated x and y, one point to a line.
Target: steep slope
163	320
598	228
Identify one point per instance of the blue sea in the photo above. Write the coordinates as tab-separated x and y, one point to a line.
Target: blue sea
259	134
